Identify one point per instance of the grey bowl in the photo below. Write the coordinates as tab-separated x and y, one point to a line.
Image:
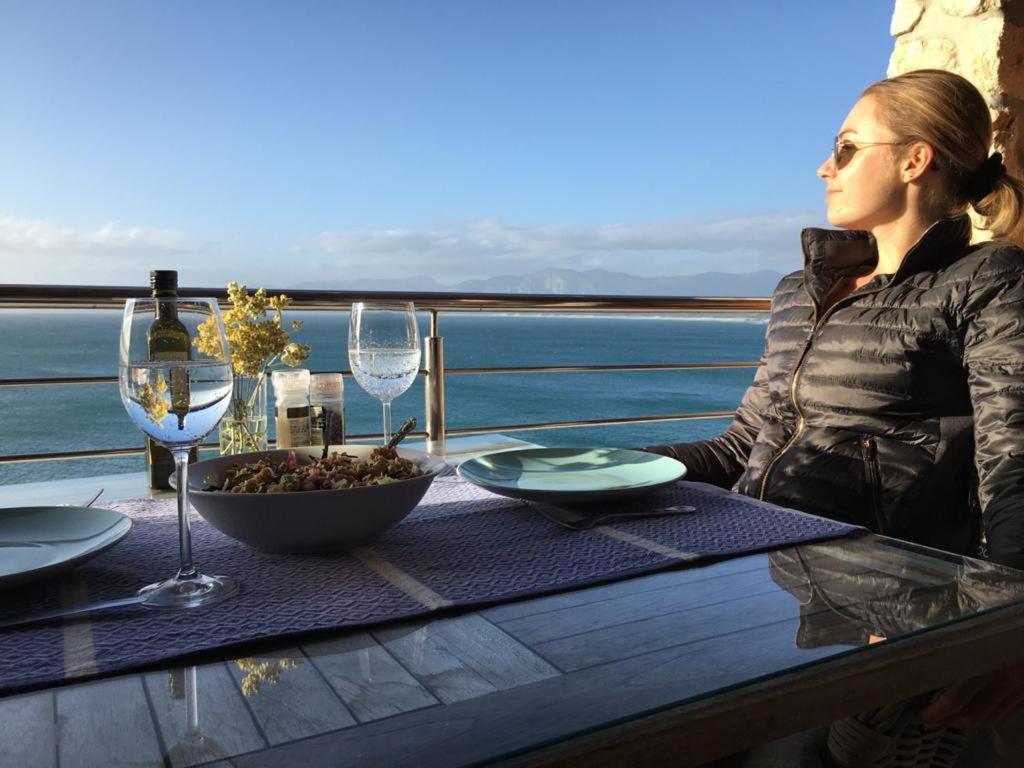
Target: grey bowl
307	521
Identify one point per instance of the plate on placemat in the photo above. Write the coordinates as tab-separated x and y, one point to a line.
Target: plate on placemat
571	475
39	542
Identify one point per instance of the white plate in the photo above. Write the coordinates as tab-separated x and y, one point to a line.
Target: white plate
571	475
39	542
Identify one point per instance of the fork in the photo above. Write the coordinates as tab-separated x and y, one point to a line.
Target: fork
89	503
92	500
578	521
71	612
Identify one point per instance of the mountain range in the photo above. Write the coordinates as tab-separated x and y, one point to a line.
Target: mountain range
570	281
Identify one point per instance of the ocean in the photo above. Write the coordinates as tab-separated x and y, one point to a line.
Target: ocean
38	343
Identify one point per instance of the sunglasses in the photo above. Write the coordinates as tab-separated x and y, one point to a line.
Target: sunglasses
844	150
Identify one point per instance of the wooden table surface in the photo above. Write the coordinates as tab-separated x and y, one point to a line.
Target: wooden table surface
674	668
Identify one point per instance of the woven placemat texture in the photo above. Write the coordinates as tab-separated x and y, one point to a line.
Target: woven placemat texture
462	546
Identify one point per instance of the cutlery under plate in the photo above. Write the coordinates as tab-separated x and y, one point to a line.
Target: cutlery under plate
577	519
71	611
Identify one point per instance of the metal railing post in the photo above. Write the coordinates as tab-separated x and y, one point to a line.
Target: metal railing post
433	390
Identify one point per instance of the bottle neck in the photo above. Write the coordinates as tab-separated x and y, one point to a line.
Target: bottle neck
165	306
166	310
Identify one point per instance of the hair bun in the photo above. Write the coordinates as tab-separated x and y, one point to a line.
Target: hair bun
981	183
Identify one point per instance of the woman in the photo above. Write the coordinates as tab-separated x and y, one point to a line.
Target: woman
891	393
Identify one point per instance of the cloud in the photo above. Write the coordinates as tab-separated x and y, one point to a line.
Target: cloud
33	236
489	246
36	251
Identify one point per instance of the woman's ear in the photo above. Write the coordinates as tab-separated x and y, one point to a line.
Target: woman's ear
918	159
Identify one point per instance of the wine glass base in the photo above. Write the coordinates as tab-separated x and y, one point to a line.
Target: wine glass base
189	593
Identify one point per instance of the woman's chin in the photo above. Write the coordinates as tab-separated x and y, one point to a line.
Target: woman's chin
841	220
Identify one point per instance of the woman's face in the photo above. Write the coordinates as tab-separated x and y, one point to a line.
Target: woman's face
866	190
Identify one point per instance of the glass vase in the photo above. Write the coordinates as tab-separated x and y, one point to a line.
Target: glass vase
244	427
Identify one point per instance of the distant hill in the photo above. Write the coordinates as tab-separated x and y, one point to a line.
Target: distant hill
570	281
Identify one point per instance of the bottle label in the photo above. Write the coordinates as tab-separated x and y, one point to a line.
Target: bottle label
293	426
334	426
159	461
316	422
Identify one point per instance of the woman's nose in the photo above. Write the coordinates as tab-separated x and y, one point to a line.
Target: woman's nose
827	169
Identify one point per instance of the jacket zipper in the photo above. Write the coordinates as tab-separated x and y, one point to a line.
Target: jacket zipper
799	416
869	447
816	324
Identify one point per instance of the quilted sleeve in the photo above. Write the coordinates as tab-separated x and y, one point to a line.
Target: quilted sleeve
994	360
721	460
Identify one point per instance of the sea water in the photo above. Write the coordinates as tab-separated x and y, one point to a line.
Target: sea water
38	343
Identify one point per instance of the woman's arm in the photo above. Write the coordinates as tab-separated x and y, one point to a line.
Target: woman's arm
994	359
721	460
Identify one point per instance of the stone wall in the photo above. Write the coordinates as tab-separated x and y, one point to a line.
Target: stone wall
983	40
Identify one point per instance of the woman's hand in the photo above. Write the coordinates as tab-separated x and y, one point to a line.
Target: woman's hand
978	702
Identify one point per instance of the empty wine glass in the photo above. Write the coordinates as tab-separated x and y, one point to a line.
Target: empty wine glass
384	351
176	391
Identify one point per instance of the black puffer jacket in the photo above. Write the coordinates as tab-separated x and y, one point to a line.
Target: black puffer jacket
900	407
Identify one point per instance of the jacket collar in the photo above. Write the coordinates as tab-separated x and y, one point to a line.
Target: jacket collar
833	254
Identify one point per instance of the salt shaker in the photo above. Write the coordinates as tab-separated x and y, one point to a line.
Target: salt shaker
291	393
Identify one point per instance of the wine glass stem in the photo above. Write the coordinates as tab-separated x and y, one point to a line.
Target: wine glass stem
192	699
387	421
187	570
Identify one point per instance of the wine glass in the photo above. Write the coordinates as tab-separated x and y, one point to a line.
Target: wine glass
384	351
176	391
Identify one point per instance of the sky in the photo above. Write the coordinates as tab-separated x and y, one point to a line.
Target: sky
279	143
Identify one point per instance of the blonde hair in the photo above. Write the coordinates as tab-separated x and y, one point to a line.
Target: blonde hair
948	113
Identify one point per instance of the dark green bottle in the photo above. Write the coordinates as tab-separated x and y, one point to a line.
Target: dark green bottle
167	340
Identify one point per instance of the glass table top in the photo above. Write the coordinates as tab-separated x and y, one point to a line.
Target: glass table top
508	680
485	685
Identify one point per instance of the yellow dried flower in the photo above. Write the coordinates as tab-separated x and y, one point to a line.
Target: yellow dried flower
254	329
259	672
155	406
294	354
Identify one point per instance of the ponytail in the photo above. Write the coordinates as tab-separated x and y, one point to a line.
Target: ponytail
1001	209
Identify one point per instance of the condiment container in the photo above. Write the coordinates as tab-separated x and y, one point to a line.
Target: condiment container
291	393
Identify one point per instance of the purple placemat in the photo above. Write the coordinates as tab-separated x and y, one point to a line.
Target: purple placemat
462	546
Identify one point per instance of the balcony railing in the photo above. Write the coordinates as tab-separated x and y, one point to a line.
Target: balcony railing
434	371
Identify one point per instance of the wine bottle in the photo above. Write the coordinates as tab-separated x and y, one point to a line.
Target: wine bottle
167	340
